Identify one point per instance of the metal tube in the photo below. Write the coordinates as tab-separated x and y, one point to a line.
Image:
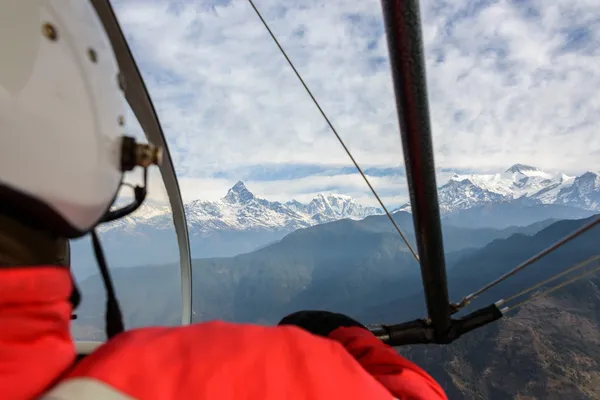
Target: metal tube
405	45
139	100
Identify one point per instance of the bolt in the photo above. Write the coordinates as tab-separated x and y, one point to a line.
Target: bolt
93	56
49	31
121	81
147	154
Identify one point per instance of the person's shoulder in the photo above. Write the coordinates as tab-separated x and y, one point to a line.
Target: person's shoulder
220	340
255	335
220	358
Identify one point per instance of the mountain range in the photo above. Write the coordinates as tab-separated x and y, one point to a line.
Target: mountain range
522	183
242	222
547	349
241	210
239	222
349	266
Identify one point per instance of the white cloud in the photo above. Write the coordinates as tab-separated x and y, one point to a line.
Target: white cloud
303	189
508	82
520	96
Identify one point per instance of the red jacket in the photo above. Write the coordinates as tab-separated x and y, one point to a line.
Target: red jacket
213	360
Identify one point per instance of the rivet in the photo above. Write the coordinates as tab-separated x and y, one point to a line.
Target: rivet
121	81
49	31
93	56
121	120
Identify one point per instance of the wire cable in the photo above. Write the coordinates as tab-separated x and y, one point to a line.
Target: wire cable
553	277
530	261
550	290
336	133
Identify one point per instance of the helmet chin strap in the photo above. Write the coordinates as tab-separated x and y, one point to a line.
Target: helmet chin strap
132	154
140	193
113	315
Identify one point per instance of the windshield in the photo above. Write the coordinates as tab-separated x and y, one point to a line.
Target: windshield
143	255
279	217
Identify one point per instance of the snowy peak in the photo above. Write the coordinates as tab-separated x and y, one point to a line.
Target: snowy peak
457	178
520	182
319	205
148	212
331	207
589	178
241	210
522	168
584	192
523	173
239	194
238	187
463	192
327	204
566	178
335	206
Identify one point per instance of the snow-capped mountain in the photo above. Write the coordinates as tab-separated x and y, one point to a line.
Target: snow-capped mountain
241	210
519	183
148	211
241	222
583	192
331	207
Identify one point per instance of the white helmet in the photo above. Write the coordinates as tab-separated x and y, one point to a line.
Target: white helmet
61	115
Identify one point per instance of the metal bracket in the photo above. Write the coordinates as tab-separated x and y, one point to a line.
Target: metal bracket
420	331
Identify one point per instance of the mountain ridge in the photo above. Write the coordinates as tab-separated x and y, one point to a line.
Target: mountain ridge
519	183
241	222
240	209
547	349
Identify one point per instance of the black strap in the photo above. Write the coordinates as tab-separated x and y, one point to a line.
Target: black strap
114	318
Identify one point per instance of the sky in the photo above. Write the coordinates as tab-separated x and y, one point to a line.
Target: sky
509	82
